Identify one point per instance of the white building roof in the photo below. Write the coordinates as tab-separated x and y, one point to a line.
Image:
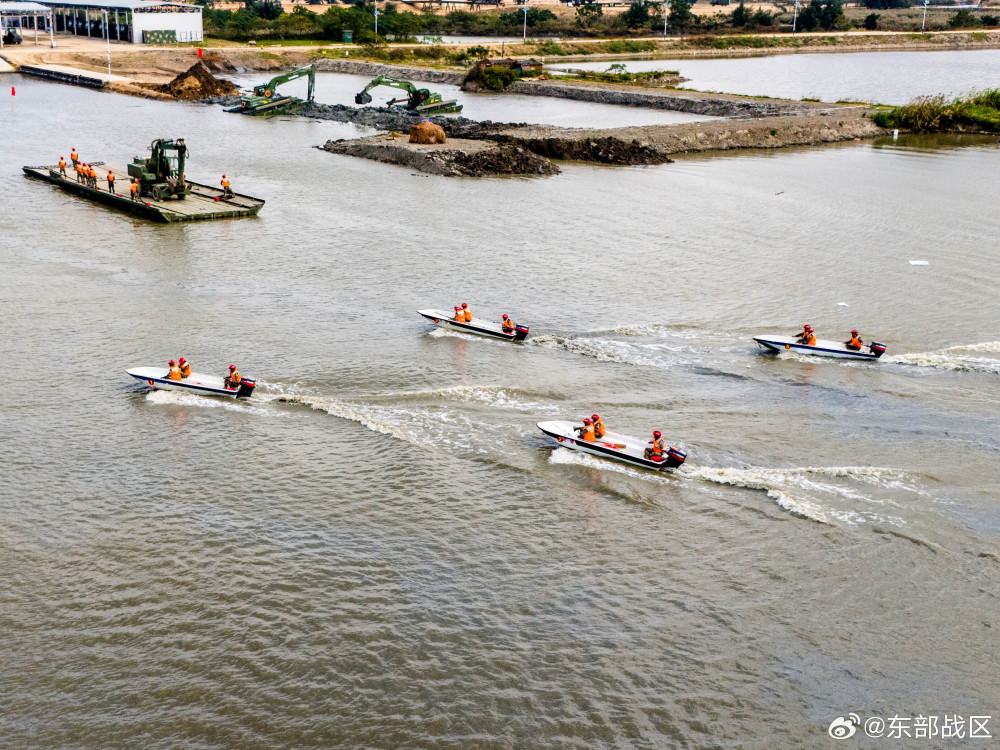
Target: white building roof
116	4
26	8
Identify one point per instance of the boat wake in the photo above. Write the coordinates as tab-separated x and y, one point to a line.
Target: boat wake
956	358
812	492
178	398
624	352
495	397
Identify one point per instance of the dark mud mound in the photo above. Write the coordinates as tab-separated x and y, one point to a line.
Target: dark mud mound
505	159
607	150
195	84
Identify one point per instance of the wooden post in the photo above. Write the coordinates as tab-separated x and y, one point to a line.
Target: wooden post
52	30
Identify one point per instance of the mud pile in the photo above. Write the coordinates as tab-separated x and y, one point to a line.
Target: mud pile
195	84
607	150
457	158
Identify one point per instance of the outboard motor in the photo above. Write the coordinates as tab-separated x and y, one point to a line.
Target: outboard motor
520	333
877	349
675	457
246	388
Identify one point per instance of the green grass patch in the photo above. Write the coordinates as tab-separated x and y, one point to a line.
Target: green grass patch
978	112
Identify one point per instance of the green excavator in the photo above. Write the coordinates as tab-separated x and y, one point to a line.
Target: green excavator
161	176
418	100
266	99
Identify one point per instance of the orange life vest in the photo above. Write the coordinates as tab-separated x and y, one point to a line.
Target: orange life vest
468	314
111	176
74	156
92	172
134	188
587	433
599	428
62	163
657	449
225	182
508	326
174	374
234	378
810	340
855	342
186	370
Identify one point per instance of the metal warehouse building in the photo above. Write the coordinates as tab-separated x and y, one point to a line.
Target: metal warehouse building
136	21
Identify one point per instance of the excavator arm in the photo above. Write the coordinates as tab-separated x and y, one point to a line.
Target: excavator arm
363	97
268	89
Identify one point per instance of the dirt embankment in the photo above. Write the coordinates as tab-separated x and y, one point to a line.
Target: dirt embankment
481	149
373	69
194	84
455	158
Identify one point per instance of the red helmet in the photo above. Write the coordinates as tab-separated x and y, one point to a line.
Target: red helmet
464	305
586	421
183	360
457	307
505	316
855	331
595	417
809	328
656	433
223	177
172	363
232	367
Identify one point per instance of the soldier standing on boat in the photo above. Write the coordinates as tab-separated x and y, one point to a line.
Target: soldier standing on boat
134	188
74	157
111	181
62	167
226	191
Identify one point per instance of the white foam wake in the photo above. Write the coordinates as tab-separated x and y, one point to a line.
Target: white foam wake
178	398
957	358
807	491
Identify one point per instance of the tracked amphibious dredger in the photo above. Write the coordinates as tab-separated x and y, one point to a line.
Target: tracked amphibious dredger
165	193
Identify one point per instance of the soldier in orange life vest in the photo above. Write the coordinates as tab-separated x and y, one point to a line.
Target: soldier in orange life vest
174	373
598	426
74	157
507	324
93	176
586	432
79	172
62	167
134	188
807	336
185	368
459	315
226	192
233	380
855	342
468	313
655	449
111	181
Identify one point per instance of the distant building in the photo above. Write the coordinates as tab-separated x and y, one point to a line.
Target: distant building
135	21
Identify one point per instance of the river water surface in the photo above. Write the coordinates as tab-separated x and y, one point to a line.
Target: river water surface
381	550
883	77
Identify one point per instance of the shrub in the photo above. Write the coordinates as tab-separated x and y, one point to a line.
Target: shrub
871	21
990	20
964	20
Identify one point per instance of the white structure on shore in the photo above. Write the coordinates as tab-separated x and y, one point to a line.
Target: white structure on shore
25	16
135	21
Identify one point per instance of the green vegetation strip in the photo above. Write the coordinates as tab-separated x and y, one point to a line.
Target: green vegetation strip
979	112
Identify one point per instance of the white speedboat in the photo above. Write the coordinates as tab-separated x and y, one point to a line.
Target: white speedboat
612	445
203	385
479	326
872	350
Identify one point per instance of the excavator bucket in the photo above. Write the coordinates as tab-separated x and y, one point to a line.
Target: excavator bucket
363	98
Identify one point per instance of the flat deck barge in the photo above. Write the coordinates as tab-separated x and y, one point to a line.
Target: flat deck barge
204	202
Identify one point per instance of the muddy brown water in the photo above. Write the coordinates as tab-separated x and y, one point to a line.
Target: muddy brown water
381	550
